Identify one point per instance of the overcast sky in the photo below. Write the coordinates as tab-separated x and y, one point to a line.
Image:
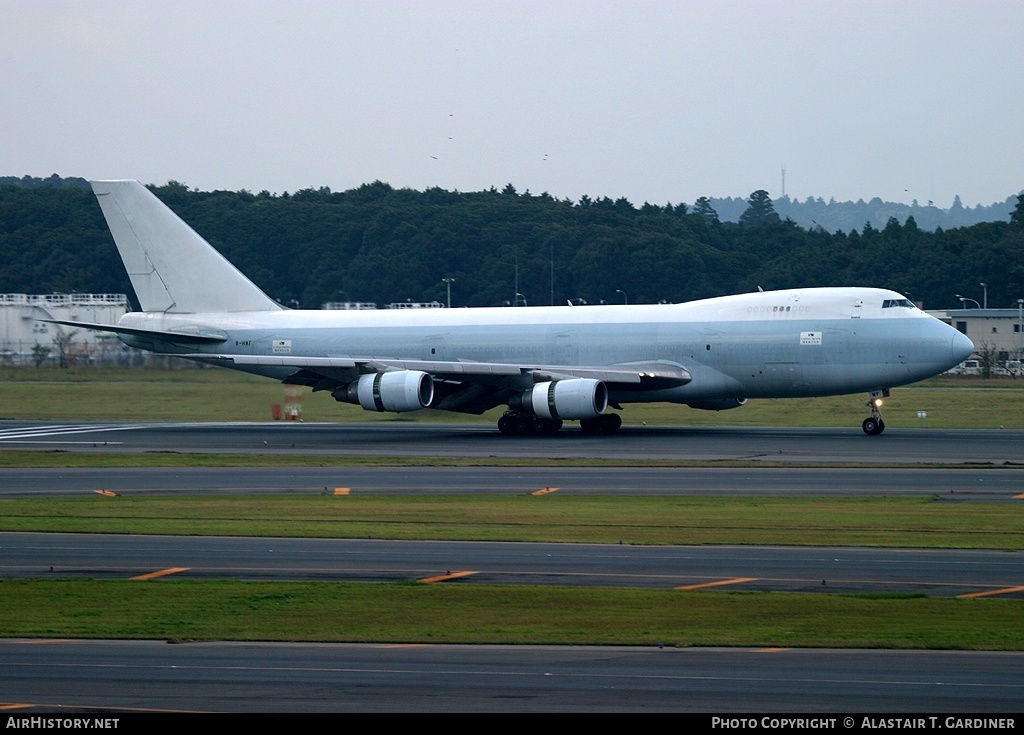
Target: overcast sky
660	101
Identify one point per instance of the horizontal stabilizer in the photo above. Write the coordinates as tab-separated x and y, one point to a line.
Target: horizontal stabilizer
196	337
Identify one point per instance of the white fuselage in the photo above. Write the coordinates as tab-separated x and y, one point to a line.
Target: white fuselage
778	344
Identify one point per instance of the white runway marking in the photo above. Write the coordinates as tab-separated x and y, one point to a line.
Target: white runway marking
29	434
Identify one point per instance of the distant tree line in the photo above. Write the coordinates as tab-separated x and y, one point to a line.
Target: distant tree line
814	213
382	244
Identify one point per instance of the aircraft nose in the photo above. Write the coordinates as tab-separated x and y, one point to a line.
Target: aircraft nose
961	347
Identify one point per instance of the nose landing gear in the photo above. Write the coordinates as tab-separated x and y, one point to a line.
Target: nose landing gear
873	425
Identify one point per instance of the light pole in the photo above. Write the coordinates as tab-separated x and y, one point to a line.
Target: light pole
448	282
985	297
625	299
964	300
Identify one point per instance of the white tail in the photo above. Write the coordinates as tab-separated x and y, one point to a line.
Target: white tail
171	267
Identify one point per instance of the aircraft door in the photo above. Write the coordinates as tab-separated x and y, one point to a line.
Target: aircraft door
565	350
433	347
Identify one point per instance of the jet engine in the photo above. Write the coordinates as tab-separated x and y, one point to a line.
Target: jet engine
577	398
717	404
399	390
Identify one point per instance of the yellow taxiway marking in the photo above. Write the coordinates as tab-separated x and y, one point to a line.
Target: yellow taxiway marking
1019	497
445	577
14	705
544	491
342	490
162	573
719	583
107	493
773	650
1004	591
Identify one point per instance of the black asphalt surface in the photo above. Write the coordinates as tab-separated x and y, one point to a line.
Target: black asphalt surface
389	439
990	485
119	678
88	676
935	572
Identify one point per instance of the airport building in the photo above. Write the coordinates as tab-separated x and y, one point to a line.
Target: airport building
999	332
24	340
348	306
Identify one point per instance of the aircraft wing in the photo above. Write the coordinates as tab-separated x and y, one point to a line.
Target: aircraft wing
464	386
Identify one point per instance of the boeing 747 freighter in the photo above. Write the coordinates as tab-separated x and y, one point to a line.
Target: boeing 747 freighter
547	364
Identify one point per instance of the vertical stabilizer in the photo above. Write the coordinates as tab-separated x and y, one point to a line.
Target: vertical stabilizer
171	267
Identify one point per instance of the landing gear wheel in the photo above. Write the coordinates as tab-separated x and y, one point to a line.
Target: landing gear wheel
546	427
610	423
873	426
607	423
507	425
515	423
524	425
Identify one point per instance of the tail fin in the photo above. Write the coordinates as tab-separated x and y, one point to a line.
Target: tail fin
171	267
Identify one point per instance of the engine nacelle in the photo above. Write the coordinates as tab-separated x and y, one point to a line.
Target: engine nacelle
398	391
578	398
717	404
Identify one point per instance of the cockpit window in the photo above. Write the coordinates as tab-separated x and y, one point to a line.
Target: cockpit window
892	303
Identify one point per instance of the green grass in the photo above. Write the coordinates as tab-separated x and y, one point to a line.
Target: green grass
889	522
10	458
454	613
182	610
225	395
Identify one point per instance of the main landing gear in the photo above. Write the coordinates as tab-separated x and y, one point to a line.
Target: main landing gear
606	423
873	425
517	423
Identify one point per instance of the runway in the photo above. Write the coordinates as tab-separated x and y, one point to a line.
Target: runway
662	444
956	466
119	678
990	485
821	570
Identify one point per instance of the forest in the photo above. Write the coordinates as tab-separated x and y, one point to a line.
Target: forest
377	243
